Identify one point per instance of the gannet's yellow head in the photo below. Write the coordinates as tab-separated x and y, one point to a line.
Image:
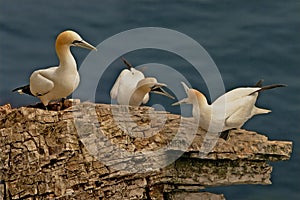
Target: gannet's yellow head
193	96
70	38
145	86
150	84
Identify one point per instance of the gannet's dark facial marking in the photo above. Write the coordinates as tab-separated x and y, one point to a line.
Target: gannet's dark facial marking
76	42
82	44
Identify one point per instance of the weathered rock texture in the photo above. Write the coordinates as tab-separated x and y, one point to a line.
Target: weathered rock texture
101	151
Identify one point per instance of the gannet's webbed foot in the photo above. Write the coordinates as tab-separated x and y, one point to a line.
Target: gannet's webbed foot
61	105
39	105
224	135
64	104
54	106
58	105
67	103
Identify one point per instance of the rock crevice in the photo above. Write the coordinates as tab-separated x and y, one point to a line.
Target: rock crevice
98	151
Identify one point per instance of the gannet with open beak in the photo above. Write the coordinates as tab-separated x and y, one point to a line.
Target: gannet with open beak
144	87
232	109
57	82
132	88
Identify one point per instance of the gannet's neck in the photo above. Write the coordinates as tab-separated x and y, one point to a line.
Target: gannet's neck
66	59
138	95
201	108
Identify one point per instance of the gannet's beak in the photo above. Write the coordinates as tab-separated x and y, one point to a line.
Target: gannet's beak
185	87
157	88
180	102
84	44
185	100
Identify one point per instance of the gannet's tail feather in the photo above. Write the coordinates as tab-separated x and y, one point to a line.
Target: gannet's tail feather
23	90
268	87
257	111
259	83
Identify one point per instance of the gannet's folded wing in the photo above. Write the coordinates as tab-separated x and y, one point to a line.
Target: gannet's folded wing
114	90
239	111
234	120
236	94
40	83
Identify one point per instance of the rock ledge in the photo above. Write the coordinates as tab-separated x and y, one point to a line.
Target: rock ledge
98	151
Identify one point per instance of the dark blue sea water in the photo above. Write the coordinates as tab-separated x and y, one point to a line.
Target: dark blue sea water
248	40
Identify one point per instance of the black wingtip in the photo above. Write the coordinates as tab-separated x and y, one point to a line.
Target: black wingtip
259	83
283	85
126	63
273	86
24	89
19	88
268	87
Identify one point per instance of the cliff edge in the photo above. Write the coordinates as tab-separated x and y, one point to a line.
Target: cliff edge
99	151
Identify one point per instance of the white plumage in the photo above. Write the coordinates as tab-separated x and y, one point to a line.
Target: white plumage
132	88
229	111
125	85
57	82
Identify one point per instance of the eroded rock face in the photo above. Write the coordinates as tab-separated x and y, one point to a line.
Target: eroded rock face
92	151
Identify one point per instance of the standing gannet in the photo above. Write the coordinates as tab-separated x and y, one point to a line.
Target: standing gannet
132	88
57	82
232	109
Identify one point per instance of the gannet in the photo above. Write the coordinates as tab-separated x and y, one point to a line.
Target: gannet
132	88
57	82
232	109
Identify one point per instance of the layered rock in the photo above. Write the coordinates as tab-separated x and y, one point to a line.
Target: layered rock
98	151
